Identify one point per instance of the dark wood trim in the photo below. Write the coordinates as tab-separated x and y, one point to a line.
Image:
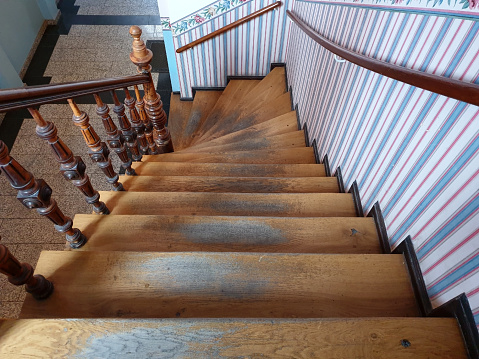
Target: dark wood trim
327	168
306	134
315	149
14	99
293	107
252	77
187	98
194	89
419	286
377	214
339	176
459	90
175	92
354	190
230	26
460	309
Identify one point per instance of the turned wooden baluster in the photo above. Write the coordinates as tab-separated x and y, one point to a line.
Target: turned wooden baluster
37	194
136	123
22	273
140	107
72	167
141	57
114	138
97	149
125	127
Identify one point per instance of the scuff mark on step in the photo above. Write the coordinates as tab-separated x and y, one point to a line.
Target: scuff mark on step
241	232
246	207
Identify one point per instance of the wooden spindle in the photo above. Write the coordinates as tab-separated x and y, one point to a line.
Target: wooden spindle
72	167
125	127
114	138
37	194
140	106
97	150
136	123
22	273
141	57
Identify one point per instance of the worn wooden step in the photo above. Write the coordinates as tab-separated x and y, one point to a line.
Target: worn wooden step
231	204
279	125
374	338
202	105
228	234
228	169
178	118
282	141
230	184
222	285
300	155
271	109
230	97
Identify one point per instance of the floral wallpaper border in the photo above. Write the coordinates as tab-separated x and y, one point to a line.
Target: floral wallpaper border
207	13
165	23
462	6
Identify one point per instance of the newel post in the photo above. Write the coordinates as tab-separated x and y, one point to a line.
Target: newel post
141	57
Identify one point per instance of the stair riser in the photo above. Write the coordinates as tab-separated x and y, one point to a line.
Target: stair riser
229	184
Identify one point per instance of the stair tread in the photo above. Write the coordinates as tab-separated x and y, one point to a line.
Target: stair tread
231	204
281	141
301	155
217	285
228	169
282	124
270	109
178	118
203	104
232	94
228	234
431	338
230	184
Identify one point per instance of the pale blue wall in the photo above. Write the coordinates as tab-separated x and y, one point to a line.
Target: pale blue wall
170	55
20	21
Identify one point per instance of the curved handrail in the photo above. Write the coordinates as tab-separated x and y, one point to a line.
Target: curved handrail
14	99
230	26
459	90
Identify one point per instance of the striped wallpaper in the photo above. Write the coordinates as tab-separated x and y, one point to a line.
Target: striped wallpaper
246	50
414	151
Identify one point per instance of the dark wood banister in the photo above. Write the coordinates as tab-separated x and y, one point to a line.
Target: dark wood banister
230	26
14	99
459	90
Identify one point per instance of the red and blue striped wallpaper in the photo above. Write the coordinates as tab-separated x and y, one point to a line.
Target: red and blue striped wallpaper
247	50
414	151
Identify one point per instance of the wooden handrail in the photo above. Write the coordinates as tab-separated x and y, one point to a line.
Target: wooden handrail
230	26
459	90
14	99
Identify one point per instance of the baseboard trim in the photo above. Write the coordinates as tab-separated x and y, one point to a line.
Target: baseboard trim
281	64
377	215
354	190
325	162
460	309
229	78
419	286
194	89
293	107
315	149
306	134
339	176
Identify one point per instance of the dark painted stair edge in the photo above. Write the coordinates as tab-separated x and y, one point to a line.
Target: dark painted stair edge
306	134
354	190
417	280
339	176
281	64
377	215
460	309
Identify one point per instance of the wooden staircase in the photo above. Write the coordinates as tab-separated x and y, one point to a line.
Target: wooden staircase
236	245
